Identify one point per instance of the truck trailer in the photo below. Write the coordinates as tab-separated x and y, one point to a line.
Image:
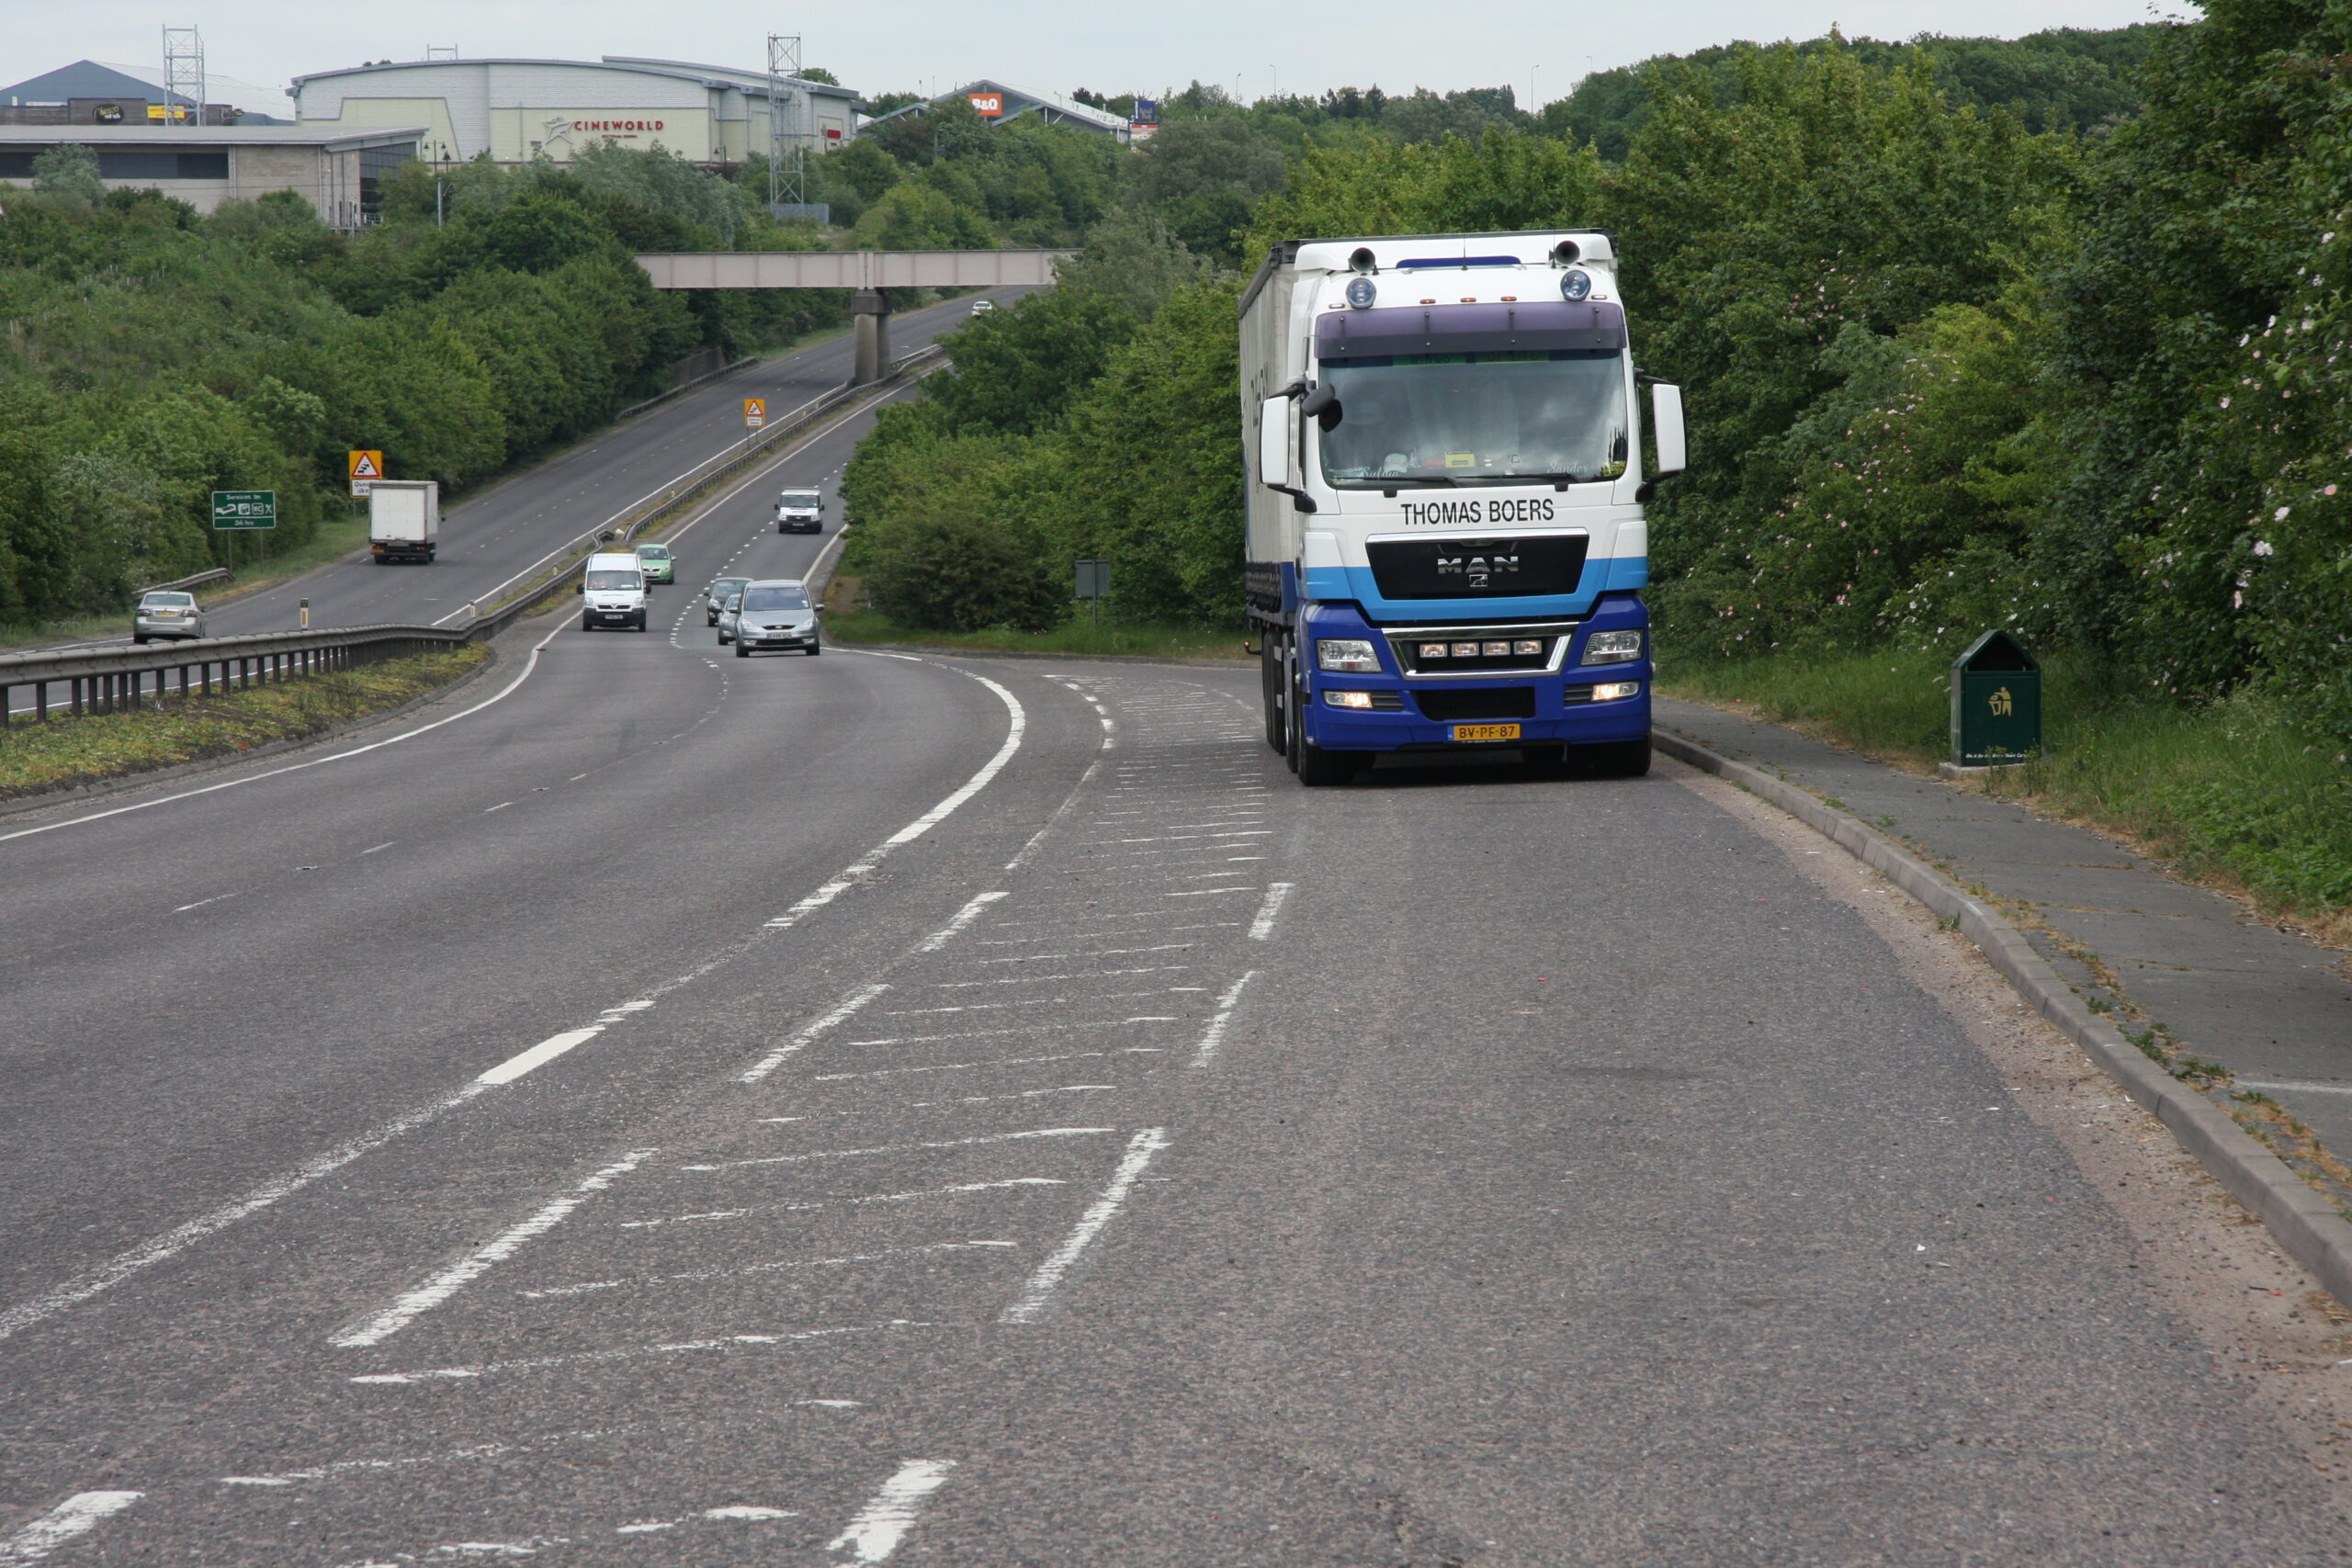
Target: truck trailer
403	520
1446	542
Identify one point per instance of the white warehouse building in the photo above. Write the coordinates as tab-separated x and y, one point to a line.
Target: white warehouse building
519	109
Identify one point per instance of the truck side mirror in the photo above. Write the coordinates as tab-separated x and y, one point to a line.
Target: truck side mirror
1322	406
1276	445
1667	429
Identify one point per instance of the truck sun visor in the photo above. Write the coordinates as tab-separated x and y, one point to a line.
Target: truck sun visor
1538	326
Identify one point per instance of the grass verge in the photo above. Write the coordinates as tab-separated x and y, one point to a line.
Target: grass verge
2234	793
845	622
67	751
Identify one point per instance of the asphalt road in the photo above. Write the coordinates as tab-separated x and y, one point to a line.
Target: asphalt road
666	1108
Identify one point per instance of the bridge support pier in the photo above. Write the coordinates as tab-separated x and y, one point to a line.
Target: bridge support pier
871	312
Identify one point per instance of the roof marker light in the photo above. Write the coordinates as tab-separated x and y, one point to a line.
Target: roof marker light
1362	292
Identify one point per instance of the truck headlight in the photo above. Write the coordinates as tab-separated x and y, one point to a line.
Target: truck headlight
1346	655
1616	691
1349	699
1613	648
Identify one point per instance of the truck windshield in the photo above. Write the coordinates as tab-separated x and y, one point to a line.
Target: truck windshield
615	582
1476	418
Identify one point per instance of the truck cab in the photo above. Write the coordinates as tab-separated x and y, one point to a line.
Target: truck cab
1447	544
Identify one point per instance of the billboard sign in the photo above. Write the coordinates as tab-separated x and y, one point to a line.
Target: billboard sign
1146	112
989	104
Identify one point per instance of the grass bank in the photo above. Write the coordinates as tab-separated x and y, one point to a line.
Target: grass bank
68	752
847	621
2234	793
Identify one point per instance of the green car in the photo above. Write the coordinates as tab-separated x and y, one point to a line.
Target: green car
654	560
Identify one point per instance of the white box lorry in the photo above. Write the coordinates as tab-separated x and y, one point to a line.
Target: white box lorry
1446	540
403	520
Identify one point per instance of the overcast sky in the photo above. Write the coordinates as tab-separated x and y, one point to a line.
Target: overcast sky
1049	46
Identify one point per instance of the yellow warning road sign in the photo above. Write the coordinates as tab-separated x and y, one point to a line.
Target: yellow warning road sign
756	412
365	468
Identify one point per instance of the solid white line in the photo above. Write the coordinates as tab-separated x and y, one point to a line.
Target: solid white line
857	870
1262	928
2295	1086
890	1514
529	665
906	1148
1214	1036
538	1055
575	1357
1031	1304
776	1057
870	1197
964	917
410	1305
172	1242
75	1517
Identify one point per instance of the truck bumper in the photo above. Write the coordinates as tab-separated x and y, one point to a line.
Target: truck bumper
1575	704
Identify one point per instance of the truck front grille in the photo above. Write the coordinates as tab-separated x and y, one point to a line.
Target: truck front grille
1479	650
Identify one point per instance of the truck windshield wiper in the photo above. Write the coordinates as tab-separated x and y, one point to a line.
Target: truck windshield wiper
1387	481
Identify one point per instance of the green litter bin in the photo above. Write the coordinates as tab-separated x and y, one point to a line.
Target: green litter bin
1995	703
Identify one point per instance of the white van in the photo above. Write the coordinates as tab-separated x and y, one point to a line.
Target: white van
800	512
612	592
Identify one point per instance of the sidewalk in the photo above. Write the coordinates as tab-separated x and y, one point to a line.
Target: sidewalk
2220	984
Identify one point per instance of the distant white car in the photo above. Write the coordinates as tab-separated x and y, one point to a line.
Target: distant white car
982	306
165	613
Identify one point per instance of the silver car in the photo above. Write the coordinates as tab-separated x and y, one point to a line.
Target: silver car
716	600
166	613
725	619
775	613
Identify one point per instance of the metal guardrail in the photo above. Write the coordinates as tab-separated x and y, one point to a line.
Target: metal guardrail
107	680
218	574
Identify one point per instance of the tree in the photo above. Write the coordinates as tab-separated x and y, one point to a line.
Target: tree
912	217
68	170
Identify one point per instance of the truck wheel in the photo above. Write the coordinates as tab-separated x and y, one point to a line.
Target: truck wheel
1620	758
1270	683
1315	767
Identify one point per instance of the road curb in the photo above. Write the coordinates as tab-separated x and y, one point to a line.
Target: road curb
2305	1225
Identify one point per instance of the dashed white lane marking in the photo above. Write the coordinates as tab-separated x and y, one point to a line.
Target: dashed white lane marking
905	1148
1090	953
1262	928
1038	1292
555	1045
76	1517
500	806
890	1513
870	1198
798	1041
385	845
858	870
529	664
778	1266
964	917
410	1305
1026	1029
582	1357
200	903
1213	1037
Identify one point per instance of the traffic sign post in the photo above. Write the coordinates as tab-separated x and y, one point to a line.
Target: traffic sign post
756	412
366	467
1094	586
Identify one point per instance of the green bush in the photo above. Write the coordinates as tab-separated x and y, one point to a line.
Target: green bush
953	571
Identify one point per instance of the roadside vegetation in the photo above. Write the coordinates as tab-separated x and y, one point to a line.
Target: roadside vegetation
69	751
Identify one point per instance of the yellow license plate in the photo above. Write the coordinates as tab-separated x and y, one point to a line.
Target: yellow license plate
1485	732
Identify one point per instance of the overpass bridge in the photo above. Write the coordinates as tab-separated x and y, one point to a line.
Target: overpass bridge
868	273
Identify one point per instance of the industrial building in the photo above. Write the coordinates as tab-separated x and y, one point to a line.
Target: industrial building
335	171
998	103
87	93
517	111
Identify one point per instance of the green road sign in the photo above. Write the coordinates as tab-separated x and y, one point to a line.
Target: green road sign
244	509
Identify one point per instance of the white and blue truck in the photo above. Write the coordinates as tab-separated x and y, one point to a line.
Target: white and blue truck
1446	542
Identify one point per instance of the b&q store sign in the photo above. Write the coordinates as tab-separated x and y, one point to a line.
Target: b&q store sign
990	104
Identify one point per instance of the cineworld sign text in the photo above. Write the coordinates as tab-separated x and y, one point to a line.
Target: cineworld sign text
616	125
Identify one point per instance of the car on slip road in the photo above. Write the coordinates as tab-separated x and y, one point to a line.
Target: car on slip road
775	613
716	600
982	306
166	613
655	562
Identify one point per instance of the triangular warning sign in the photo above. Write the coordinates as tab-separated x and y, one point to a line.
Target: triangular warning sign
363	465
